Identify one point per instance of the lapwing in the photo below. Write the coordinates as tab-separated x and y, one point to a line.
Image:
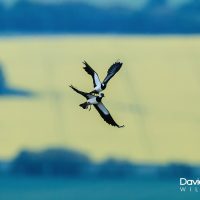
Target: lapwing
98	85
96	102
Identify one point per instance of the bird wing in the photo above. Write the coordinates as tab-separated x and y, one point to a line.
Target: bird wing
90	71
112	71
86	95
105	114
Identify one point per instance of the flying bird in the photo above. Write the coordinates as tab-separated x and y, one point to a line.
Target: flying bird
98	85
96	102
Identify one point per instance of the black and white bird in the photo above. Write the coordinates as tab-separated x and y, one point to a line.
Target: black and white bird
96	102
98	85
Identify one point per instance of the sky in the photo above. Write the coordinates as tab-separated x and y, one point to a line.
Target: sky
133	3
155	95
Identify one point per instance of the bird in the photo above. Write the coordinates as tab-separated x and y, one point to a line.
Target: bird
98	85
96	101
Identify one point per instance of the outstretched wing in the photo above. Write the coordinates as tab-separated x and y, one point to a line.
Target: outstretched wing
86	95
112	71
90	71
106	115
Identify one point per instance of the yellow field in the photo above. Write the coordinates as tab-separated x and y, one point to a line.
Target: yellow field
156	95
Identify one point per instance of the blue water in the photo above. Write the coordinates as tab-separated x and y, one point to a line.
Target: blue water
23	188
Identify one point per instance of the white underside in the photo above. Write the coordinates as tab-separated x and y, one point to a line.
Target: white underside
98	88
92	101
98	83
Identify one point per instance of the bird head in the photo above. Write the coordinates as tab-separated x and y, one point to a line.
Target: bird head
103	86
101	95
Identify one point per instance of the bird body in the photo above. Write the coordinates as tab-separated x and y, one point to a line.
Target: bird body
92	101
96	101
98	85
97	89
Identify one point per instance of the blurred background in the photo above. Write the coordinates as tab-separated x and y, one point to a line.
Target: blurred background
52	149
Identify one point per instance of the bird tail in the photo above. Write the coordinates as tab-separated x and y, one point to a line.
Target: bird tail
84	105
78	91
